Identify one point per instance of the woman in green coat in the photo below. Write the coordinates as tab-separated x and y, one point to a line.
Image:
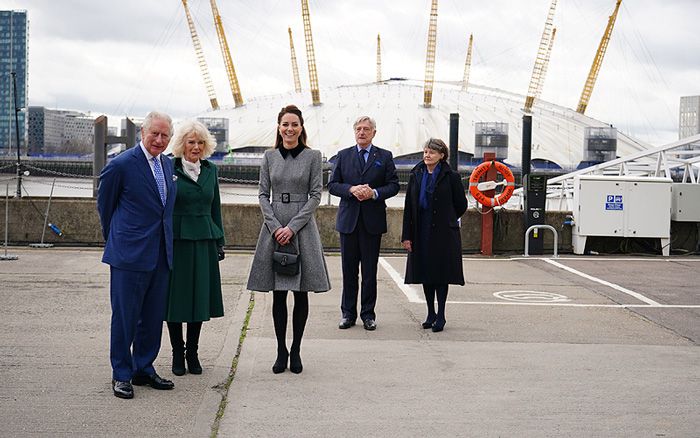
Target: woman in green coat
198	244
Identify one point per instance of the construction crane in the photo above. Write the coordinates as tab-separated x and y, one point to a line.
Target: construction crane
310	57
597	62
430	56
546	62
230	70
295	67
379	59
200	59
537	79
468	64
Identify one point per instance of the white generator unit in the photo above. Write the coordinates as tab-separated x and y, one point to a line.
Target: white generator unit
685	202
621	206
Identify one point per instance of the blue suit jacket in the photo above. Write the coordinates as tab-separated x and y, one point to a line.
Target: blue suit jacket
134	220
379	172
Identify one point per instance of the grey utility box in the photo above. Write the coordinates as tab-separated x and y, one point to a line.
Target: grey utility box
685	202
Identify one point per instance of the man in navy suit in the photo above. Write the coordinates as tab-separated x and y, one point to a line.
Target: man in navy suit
364	177
135	201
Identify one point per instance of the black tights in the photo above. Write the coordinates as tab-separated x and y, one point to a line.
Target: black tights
299	316
430	291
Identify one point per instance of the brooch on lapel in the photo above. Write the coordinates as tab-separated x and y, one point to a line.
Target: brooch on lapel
174	178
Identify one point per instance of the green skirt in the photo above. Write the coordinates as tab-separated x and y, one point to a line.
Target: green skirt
195	282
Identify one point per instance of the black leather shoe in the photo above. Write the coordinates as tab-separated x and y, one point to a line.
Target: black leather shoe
429	321
439	325
154	381
122	389
346	323
369	324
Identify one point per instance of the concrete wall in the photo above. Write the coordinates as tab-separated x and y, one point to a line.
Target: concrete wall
79	222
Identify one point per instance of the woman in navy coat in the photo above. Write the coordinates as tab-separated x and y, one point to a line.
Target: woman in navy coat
435	201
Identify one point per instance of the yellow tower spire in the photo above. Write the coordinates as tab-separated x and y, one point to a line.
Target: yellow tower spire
230	70
204	69
430	56
468	64
379	58
597	62
310	57
536	79
295	67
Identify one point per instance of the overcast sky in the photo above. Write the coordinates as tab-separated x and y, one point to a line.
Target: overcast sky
127	57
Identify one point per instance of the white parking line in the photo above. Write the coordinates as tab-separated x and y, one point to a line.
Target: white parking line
631	293
413	295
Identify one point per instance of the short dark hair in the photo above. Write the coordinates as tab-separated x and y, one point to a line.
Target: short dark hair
290	109
438	145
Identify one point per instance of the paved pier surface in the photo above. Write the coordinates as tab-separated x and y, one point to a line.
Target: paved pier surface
575	346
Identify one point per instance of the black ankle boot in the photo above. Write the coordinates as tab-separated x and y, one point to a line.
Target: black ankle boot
179	361
281	362
429	321
295	364
439	325
193	360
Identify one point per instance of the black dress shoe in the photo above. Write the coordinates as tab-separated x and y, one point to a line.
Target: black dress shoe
369	324
346	323
122	389
154	381
439	325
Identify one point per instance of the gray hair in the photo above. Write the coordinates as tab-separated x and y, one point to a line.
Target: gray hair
439	146
192	127
150	117
361	119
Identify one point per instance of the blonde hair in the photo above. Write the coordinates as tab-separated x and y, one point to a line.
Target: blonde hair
192	127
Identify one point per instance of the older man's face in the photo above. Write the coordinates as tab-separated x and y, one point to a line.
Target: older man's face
364	133
157	137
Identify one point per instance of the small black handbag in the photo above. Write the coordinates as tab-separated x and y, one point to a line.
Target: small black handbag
285	263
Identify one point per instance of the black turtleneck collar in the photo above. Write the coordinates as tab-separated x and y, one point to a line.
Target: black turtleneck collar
294	151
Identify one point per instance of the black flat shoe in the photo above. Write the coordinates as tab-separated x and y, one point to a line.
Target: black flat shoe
280	364
295	364
429	321
154	381
122	389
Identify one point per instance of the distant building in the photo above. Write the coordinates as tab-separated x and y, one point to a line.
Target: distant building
218	127
689	117
54	131
13	58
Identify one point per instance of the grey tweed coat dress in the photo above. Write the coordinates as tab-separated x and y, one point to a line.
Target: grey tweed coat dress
301	178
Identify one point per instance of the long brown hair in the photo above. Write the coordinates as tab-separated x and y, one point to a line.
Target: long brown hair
290	109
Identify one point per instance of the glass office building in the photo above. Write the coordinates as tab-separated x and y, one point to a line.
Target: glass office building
13	58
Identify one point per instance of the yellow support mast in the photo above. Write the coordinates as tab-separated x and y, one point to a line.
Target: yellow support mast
430	57
295	67
200	59
310	56
597	62
537	78
379	59
546	62
230	70
468	64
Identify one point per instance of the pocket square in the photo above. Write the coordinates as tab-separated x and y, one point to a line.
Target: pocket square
377	163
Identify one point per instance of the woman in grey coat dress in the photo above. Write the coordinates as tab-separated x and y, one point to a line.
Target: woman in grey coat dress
289	194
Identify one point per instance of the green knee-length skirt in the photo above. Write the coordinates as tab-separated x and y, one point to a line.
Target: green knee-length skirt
195	282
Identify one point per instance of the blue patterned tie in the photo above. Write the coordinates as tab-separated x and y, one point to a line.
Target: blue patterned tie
363	157
160	179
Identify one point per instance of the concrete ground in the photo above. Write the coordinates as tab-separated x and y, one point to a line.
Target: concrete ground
575	346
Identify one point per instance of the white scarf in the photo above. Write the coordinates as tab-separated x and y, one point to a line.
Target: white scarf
192	169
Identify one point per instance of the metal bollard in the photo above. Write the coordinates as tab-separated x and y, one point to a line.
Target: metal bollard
548	227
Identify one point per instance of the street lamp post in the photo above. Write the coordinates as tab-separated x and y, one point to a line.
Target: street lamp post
19	160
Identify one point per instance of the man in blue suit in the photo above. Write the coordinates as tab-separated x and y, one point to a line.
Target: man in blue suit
135	201
364	177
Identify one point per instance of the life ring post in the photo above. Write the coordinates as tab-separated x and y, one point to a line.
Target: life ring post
486	210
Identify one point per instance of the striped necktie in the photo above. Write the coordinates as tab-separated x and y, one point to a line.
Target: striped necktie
160	179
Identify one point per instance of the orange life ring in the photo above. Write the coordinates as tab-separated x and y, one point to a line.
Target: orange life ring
499	199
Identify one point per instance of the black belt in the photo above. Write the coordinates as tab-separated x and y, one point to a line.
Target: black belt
286	198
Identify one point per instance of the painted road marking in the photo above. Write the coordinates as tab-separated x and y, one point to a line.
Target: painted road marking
413	295
531	296
617	287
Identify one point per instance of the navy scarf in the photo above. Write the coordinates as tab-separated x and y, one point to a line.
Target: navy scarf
427	187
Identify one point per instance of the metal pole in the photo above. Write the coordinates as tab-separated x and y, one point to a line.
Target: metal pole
454	141
7	223
19	161
46	222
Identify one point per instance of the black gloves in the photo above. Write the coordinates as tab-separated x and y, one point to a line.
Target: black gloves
221	253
